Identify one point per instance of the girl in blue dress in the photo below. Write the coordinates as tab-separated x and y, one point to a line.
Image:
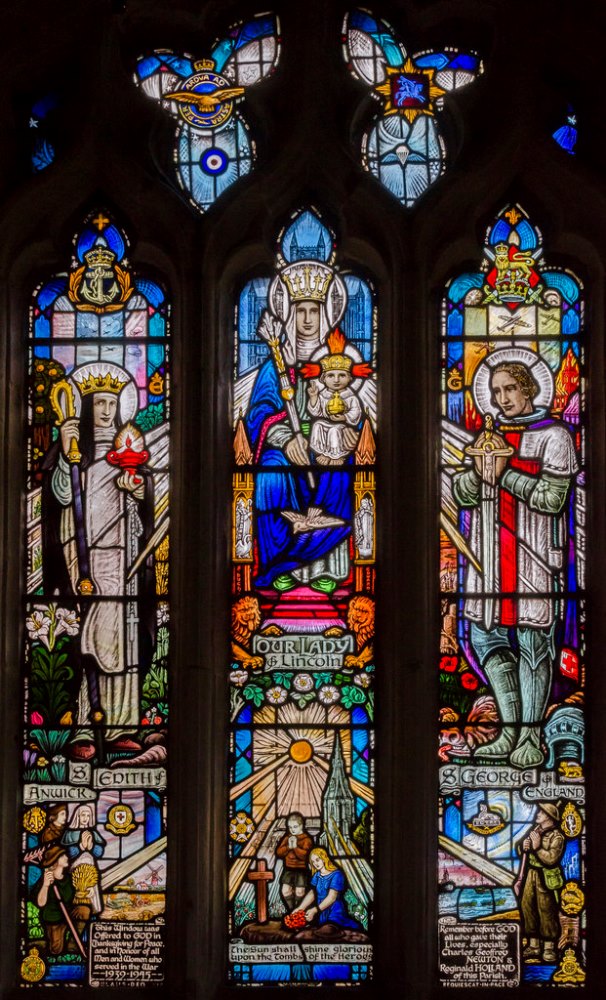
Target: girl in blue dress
327	887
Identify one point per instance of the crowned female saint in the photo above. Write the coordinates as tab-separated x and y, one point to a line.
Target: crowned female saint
107	522
303	510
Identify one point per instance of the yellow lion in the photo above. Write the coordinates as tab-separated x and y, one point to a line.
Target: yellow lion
361	621
245	618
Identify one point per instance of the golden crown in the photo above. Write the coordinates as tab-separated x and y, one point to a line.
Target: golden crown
100	257
100	383
336	362
307	281
204	64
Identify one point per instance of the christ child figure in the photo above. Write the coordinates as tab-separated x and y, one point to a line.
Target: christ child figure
336	408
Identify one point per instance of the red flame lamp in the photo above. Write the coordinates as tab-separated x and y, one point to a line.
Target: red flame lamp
129	451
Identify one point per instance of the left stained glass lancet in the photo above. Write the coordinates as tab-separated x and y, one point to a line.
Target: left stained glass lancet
96	622
301	680
213	148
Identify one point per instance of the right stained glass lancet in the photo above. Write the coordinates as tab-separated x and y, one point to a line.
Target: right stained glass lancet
512	673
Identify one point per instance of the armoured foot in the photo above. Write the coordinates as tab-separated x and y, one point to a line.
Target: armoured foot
528	752
499	748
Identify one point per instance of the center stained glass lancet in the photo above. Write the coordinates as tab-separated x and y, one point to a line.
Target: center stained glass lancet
301	834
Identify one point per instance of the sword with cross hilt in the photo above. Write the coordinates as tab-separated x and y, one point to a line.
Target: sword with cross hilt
487	448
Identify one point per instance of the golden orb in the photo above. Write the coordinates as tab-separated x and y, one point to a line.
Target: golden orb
301	751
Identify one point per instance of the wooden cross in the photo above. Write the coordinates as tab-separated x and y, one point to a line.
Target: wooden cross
260	877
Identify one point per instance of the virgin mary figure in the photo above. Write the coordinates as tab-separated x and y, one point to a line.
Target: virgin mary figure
303	513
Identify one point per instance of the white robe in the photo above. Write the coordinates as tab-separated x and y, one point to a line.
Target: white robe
541	538
104	631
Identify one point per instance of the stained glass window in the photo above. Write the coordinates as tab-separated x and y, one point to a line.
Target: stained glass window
301	680
512	650
96	621
566	135
403	146
213	147
41	128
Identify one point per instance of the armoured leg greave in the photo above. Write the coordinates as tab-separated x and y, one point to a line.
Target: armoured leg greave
502	671
536	654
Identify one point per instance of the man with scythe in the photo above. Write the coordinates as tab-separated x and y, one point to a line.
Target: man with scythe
518	488
97	515
55	895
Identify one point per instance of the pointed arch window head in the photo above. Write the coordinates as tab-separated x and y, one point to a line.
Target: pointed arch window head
213	147
301	832
96	623
403	147
512	648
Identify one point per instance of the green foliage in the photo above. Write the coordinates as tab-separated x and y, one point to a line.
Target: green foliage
361	833
58	771
355	908
155	684
303	699
243	912
50	742
254	693
51	673
35	931
151	416
370	704
285	679
454	695
352	695
161	650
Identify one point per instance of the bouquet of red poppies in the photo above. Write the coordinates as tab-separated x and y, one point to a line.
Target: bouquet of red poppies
295	920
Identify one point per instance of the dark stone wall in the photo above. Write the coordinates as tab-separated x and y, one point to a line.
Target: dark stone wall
114	151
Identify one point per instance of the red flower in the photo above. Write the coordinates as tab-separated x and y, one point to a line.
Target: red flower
449	664
469	681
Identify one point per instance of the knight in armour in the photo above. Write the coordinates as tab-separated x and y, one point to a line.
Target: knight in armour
519	497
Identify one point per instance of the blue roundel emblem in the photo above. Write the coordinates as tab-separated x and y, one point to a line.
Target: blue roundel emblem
213	161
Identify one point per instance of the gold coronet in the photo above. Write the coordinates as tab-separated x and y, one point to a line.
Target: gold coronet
100	257
100	383
336	362
204	64
307	282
